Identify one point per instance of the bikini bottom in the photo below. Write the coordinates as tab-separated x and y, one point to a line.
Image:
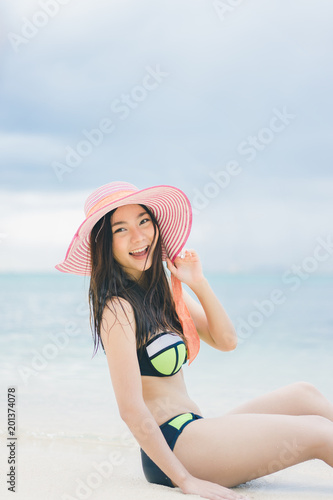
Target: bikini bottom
171	430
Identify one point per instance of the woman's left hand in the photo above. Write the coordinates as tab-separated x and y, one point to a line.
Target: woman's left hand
187	269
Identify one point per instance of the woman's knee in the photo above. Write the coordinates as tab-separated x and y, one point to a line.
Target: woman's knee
305	389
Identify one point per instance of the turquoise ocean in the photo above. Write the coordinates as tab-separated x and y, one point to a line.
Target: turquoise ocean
62	391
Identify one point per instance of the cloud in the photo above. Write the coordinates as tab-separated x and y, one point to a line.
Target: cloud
261	226
25	148
264	225
221	74
225	78
37	226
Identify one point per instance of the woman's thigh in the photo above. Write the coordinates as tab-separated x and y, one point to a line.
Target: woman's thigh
233	449
299	398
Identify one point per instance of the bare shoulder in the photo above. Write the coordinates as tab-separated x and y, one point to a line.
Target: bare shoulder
118	305
118	315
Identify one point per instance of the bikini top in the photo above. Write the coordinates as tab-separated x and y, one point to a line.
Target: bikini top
163	355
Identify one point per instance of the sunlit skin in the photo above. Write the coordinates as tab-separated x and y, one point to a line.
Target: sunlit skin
132	229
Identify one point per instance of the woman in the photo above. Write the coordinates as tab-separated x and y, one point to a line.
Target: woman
149	327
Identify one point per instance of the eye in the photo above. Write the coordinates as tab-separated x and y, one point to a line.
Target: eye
119	230
144	220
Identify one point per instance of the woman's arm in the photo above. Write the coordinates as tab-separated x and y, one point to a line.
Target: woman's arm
211	320
118	336
214	325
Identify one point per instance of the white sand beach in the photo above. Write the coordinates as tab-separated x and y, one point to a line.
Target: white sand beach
77	470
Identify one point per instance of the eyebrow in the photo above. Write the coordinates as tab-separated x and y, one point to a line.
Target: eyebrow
124	222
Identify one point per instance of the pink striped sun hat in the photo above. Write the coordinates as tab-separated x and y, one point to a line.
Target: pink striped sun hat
170	206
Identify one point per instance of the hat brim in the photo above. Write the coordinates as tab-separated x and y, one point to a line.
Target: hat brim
173	213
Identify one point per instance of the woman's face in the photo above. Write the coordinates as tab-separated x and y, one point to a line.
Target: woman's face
133	235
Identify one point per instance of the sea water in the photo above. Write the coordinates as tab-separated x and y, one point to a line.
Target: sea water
62	391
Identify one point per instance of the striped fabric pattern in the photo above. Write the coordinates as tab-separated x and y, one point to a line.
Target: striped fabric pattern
170	206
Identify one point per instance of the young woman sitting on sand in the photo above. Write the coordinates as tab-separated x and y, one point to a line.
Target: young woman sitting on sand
149	327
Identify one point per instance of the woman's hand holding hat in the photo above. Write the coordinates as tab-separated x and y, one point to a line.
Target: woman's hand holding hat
187	268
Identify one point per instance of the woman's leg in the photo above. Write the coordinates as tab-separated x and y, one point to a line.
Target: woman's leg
233	449
300	398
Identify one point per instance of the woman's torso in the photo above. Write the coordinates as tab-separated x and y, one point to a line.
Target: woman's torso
166	396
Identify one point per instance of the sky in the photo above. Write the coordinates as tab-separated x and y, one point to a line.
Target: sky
230	101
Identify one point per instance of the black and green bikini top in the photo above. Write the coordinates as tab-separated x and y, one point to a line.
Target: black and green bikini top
163	355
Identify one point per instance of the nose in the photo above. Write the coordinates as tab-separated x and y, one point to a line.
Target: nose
136	235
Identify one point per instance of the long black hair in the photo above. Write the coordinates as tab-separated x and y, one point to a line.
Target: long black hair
150	297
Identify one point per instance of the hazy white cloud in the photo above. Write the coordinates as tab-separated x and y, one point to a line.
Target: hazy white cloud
25	148
38	228
257	229
225	78
250	230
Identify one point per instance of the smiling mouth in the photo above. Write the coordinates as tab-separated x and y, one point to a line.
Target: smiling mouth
141	252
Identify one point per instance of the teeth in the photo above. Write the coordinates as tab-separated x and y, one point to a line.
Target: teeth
139	250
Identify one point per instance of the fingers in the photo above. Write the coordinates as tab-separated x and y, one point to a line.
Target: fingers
212	491
226	494
186	254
